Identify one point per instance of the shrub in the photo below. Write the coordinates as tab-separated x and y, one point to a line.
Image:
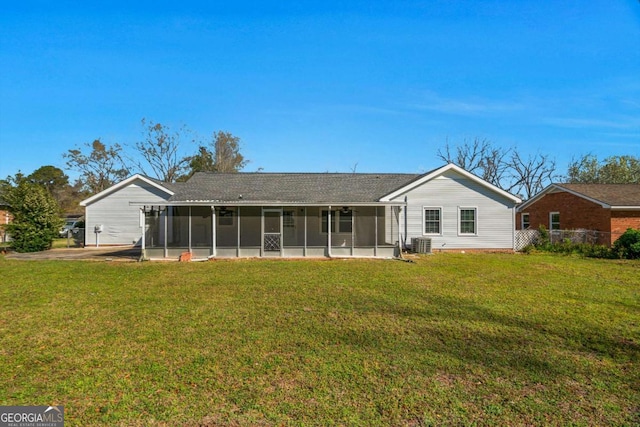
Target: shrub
36	218
628	245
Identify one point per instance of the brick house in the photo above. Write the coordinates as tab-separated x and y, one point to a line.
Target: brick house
607	208
5	218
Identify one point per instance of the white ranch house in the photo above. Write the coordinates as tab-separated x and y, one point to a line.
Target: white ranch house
302	214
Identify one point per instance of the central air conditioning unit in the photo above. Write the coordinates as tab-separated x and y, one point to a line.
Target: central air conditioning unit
421	245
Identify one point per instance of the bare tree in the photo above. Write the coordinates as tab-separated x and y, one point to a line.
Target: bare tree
161	151
99	169
505	168
479	157
528	176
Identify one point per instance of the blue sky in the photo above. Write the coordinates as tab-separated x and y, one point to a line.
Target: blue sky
323	86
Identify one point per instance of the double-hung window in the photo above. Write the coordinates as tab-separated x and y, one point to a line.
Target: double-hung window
554	221
432	221
468	221
524	219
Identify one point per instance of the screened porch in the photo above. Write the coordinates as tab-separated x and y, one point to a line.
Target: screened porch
270	231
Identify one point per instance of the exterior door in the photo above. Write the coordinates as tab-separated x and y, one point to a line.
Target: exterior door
272	239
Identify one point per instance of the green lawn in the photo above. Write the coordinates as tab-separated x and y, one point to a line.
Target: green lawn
491	339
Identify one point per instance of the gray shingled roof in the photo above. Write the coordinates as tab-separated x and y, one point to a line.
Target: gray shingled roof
610	194
289	187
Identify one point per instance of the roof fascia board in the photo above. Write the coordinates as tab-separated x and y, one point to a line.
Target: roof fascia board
122	184
625	208
265	203
440	171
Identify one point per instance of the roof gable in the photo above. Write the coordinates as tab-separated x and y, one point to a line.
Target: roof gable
421	180
122	184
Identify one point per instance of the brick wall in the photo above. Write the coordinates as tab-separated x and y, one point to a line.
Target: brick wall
621	220
575	212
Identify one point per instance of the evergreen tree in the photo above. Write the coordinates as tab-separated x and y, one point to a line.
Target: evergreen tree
36	216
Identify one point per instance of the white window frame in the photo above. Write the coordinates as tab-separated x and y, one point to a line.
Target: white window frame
522	222
475	220
551	214
424	220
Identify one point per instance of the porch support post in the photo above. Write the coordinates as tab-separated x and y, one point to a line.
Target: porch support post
399	230
262	231
329	231
166	231
375	240
143	222
189	233
238	242
304	251
213	231
353	231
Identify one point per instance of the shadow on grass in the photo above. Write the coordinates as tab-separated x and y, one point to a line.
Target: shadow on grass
478	336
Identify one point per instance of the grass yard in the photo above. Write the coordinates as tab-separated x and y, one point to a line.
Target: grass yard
475	339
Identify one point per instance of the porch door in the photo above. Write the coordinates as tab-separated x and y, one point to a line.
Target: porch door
272	239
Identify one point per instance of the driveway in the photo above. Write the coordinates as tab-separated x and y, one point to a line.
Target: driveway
127	253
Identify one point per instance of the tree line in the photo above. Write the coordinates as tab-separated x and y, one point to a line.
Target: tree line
527	175
39	200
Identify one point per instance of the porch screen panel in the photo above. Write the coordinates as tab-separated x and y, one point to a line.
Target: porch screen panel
315	238
201	226
178	226
293	227
250	226
387	225
226	227
154	228
365	226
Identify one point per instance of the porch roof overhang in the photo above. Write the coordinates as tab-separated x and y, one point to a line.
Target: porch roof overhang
270	203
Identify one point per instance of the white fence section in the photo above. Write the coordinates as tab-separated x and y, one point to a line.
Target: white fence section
526	238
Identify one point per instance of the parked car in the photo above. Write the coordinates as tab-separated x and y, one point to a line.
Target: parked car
73	225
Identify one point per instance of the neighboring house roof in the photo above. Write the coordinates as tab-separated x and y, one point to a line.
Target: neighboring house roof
610	196
167	188
284	188
449	167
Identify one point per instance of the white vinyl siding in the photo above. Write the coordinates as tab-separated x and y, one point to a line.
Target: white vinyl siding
495	219
120	220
